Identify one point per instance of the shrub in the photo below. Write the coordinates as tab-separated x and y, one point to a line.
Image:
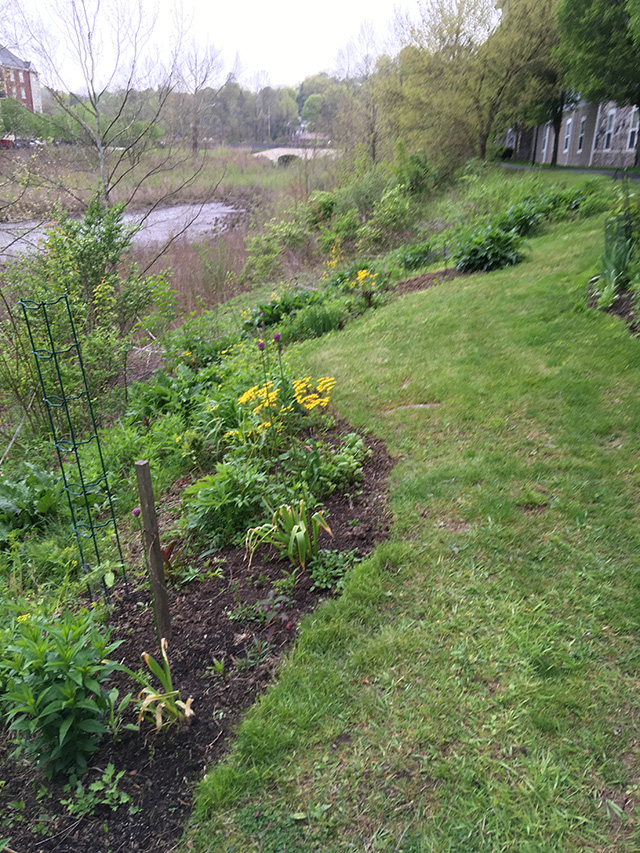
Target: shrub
487	248
222	506
524	218
418	255
54	699
30	502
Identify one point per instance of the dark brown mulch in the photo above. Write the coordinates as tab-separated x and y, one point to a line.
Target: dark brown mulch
161	770
429	279
624	307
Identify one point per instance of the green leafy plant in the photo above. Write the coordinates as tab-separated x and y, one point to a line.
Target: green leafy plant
102	792
54	700
290	531
163	706
487	248
329	567
257	654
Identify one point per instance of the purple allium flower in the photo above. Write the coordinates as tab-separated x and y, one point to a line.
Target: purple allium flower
261	345
135	512
276	337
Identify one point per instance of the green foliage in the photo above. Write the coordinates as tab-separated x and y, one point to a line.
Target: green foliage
418	255
85	259
414	172
221	506
54	701
487	248
598	49
326	469
165	703
267	249
616	265
390	216
103	792
291	532
328	568
30	502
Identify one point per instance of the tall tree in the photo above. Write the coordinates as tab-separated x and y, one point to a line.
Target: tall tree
600	49
103	52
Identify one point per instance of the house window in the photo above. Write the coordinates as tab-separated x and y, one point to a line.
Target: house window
12	75
567	136
583	127
608	134
23	94
21	76
633	129
545	142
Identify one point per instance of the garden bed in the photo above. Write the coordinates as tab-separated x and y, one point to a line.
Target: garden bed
162	769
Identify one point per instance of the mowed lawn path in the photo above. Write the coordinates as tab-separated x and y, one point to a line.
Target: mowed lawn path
476	686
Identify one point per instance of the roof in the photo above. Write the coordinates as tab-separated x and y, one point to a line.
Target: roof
10	60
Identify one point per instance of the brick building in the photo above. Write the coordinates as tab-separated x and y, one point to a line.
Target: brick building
19	80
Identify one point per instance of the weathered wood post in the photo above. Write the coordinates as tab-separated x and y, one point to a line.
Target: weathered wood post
152	546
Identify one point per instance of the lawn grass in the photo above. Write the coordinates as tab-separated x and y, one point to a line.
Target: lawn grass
475	688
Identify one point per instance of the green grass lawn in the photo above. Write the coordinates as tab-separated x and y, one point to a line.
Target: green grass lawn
476	686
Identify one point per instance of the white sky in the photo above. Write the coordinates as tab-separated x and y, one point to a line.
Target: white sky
274	42
288	39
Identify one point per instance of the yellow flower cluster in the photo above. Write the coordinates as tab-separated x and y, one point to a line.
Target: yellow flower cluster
308	397
266	397
364	280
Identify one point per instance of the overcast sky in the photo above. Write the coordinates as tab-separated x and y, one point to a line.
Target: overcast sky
289	39
265	42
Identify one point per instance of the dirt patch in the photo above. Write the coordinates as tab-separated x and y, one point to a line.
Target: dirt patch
161	770
429	279
624	306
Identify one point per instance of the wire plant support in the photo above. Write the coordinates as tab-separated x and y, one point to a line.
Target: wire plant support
66	396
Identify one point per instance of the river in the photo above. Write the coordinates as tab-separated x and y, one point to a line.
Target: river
193	221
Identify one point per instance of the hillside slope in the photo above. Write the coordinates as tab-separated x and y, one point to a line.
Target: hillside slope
476	686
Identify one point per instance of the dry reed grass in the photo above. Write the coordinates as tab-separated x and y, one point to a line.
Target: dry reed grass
204	274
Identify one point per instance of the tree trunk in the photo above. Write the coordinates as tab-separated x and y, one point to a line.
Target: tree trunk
534	147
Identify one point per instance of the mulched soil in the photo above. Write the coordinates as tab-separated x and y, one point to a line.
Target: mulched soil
624	306
429	279
162	769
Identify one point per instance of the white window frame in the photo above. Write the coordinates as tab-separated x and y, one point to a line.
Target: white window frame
581	134
23	93
609	129
545	142
567	136
634	126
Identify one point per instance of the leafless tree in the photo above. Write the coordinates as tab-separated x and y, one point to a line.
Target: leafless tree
200	69
110	80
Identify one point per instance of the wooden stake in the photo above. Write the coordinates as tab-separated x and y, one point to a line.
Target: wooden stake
154	554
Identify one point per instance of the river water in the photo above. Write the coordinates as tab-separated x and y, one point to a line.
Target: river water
194	222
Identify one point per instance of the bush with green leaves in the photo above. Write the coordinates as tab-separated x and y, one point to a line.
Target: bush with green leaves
85	259
221	506
414	172
487	248
390	216
30	502
266	250
53	671
418	255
